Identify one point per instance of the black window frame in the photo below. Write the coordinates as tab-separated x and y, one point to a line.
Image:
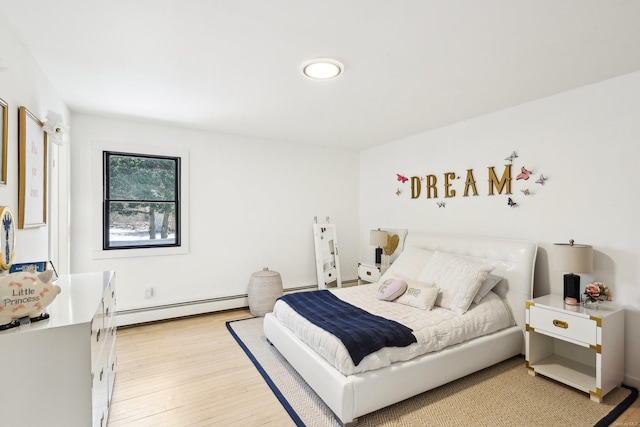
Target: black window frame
106	200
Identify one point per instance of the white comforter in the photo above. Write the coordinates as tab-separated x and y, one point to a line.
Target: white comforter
434	329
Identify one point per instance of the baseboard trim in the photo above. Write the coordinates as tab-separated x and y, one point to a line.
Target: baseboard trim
632	381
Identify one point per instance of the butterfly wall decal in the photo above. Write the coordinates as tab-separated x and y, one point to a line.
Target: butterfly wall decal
441	204
512	156
398	192
524	174
526	192
402	178
511	203
541	179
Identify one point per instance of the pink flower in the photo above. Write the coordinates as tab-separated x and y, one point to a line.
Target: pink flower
593	290
597	292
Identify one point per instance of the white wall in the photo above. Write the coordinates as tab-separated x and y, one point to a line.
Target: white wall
23	83
584	141
252	205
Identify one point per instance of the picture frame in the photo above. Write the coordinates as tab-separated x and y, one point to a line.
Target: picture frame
4	140
32	191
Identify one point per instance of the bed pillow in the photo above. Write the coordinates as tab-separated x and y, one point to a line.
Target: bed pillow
458	279
489	283
391	289
420	296
409	264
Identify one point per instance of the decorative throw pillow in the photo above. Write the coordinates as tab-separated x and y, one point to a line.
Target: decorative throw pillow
391	289
489	283
419	296
392	244
408	265
458	279
402	235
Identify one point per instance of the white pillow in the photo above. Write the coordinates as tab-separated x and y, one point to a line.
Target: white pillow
489	283
458	279
419	296
408	265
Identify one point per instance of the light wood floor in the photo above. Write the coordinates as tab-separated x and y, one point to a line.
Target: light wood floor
191	372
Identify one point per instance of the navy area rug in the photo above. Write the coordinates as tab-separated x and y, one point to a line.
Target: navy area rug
501	395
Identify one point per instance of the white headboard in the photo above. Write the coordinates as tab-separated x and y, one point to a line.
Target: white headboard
512	259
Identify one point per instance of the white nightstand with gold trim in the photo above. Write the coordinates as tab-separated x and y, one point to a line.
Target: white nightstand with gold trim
368	273
580	347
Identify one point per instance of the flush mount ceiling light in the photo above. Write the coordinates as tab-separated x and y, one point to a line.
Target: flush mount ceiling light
322	68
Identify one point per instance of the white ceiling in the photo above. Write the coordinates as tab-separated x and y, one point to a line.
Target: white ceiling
410	65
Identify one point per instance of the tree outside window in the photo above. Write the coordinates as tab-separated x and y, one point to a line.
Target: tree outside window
141	201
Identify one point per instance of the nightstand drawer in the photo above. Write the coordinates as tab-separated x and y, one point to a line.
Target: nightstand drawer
370	273
563	324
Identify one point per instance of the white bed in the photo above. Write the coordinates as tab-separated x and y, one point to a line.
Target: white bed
351	396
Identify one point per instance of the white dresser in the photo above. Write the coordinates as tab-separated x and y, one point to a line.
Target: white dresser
60	371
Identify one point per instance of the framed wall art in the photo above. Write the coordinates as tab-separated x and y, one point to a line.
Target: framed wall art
32	191
4	140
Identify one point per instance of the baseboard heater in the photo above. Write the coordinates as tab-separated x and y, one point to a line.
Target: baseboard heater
188	308
179	304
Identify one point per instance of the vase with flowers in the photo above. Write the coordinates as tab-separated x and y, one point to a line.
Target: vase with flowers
596	292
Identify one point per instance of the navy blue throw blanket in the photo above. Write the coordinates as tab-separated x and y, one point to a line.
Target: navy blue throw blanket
361	332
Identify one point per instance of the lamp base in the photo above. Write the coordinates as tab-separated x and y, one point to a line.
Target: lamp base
571	289
378	255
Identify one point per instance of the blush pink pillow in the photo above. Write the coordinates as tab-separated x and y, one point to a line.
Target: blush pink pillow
391	289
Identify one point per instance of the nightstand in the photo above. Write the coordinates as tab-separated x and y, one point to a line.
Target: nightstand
580	347
368	273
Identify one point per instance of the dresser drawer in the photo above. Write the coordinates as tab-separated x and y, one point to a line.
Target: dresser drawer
112	362
109	307
563	324
97	332
369	273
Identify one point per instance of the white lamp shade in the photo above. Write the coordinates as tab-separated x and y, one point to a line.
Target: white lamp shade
572	258
378	238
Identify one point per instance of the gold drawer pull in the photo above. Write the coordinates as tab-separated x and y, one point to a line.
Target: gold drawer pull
368	273
560	324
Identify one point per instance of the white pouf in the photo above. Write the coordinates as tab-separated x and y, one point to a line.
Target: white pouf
265	287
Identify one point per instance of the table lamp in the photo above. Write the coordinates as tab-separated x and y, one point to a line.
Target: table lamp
379	239
573	258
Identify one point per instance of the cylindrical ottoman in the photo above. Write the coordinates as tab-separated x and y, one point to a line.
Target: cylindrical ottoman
264	289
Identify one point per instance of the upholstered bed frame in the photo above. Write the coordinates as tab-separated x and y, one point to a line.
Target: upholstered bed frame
355	395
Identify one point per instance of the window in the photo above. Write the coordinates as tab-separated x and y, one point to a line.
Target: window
141	201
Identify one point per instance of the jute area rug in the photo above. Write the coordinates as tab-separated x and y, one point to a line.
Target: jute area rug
501	395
